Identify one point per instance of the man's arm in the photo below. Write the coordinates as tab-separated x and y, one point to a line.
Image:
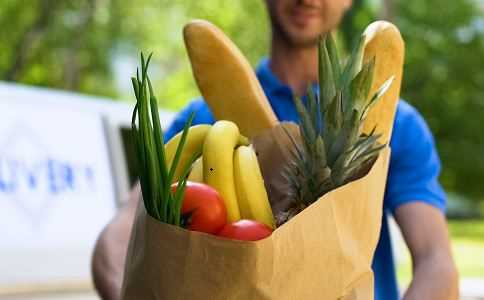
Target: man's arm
111	248
424	229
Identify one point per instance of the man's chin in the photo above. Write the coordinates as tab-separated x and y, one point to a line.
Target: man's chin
296	37
302	41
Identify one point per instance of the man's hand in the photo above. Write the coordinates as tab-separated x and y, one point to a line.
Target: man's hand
424	229
111	248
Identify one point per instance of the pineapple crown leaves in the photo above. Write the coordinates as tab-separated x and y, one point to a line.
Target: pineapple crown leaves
303	166
333	149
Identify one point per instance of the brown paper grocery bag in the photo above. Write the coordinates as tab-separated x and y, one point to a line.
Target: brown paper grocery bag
325	252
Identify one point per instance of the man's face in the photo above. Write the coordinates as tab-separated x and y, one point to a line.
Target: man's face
301	22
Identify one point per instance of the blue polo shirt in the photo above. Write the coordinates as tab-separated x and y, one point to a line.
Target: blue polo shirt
413	173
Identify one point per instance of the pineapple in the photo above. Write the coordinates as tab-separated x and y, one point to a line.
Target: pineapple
332	150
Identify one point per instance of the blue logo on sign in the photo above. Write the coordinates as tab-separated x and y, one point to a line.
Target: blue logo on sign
48	175
32	178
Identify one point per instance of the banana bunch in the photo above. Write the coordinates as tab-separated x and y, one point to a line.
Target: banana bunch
193	146
229	164
249	184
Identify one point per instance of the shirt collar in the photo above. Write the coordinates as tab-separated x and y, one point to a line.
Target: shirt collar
270	83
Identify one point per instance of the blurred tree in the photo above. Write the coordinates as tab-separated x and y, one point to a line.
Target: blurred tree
157	26
444	76
387	10
71	44
356	19
63	44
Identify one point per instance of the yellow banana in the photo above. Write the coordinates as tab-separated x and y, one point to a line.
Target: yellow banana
196	174
249	184
218	157
193	144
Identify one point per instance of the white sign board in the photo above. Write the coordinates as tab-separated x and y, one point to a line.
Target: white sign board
56	191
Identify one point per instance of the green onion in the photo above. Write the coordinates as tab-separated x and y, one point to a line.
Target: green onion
155	175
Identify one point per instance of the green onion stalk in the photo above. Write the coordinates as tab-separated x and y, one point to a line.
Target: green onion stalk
155	175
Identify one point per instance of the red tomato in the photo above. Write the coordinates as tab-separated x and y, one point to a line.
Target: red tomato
203	208
245	230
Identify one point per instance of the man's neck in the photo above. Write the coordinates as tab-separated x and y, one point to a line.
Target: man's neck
295	67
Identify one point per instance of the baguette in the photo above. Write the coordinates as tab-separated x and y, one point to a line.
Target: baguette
226	79
384	42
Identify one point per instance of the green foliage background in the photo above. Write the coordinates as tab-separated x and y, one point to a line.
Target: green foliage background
71	44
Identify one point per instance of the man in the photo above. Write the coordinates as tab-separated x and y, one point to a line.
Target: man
413	193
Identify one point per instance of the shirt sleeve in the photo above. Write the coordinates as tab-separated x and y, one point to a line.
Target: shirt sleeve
414	164
203	115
